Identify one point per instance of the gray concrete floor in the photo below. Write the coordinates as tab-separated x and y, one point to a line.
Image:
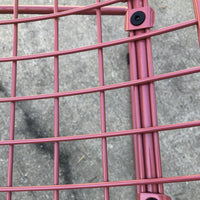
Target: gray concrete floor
80	162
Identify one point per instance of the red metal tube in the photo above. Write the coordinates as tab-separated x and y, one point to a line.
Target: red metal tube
60	14
136	118
111	10
154	111
149	156
56	102
154	117
12	106
143	102
104	88
175	179
102	103
196	4
100	135
104	44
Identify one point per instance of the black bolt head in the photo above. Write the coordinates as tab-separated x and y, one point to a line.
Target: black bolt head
137	19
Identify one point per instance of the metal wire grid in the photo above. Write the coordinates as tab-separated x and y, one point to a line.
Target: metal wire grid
145	81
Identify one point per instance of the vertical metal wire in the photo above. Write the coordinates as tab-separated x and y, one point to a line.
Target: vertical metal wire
136	121
12	106
154	118
196	5
146	147
145	110
56	102
102	103
154	111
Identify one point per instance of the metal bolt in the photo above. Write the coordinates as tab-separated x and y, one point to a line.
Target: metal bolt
137	19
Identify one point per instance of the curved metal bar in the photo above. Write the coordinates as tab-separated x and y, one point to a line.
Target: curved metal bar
60	14
100	135
104	44
175	179
104	88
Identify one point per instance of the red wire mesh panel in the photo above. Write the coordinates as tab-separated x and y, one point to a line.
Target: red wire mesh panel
139	18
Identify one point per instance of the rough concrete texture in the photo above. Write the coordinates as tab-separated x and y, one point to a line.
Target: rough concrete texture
80	162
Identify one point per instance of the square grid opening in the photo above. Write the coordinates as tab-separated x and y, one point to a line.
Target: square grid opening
54	142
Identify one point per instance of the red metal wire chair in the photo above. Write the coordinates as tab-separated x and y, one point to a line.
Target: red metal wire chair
139	20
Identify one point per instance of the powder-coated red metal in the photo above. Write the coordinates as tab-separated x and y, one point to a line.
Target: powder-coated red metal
148	170
175	179
102	103
118	10
148	21
104	44
56	102
12	105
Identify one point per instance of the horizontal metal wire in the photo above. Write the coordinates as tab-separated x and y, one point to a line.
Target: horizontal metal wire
68	10
59	14
111	10
102	184
104	44
107	134
105	88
